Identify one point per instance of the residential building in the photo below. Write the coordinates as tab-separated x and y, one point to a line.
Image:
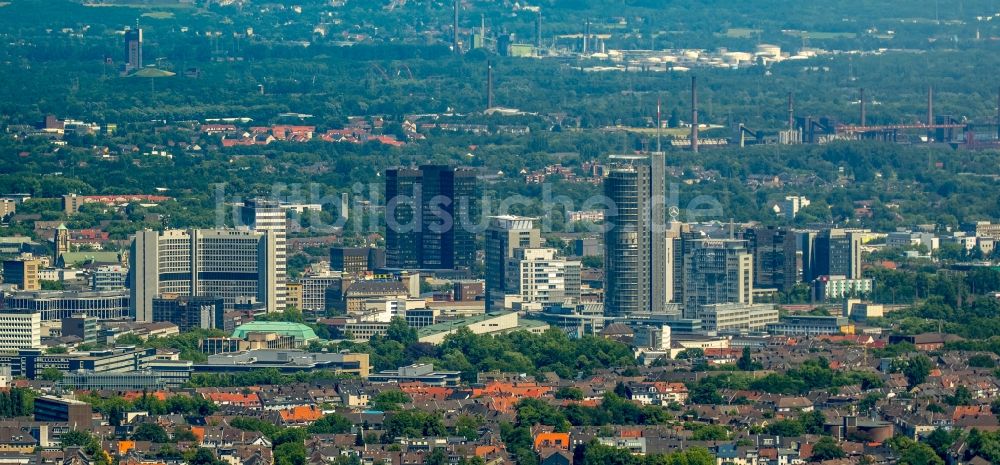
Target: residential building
717	271
133	50
7	207
504	235
430	212
635	239
190	312
838	287
227	263
20	330
790	207
267	215
22	273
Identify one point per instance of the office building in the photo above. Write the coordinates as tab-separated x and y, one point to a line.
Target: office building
831	252
190	312
430	214
635	238
56	305
22	273
108	278
737	317
717	271
20	330
355	260
78	414
504	235
268	215
231	264
287	361
29	363
810	325
133	50
423	373
908	239
82	326
774	258
535	275
319	293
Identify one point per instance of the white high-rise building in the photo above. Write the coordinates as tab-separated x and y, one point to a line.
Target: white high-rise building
269	215
227	263
536	275
20	330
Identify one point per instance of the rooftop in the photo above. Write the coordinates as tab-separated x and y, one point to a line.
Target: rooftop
299	331
452	325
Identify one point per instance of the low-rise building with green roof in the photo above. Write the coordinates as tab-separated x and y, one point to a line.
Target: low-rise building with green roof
301	333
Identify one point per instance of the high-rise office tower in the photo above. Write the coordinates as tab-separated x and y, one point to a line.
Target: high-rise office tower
430	213
133	50
831	252
716	271
774	264
23	273
227	263
267	215
504	235
189	312
635	240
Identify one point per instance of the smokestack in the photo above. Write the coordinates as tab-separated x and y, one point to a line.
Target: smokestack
489	84
863	107
538	29
694	114
482	30
791	112
998	113
586	35
454	29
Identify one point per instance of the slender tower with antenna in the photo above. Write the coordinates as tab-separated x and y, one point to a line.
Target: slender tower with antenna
454	29
694	114
489	85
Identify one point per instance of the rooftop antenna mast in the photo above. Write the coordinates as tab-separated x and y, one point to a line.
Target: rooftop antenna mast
659	124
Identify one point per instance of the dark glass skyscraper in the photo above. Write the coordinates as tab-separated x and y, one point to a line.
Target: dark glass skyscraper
774	262
429	214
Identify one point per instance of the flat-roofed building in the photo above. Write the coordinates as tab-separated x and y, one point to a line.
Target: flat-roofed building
57	409
20	331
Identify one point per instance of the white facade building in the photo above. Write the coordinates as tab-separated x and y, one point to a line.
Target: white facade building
20	330
235	265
